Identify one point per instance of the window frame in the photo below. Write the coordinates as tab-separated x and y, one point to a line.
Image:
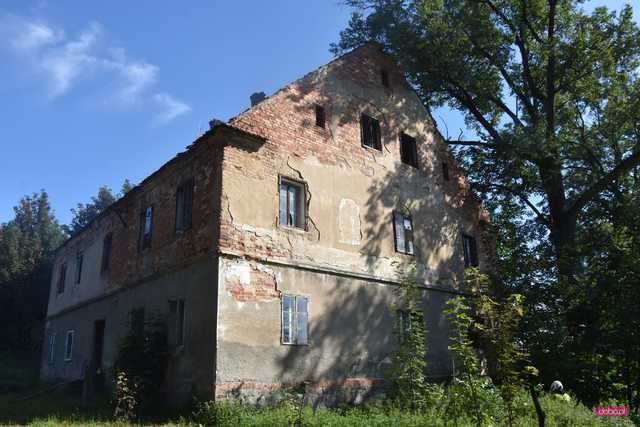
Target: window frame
370	126
68	348
79	265
321	116
406	250
412	153
52	348
62	279
301	208
470	253
144	239
293	321
184	205
107	243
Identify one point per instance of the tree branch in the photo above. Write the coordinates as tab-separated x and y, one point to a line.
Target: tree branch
590	193
522	197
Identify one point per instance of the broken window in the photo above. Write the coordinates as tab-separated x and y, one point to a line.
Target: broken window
445	171
408	150
403	230
184	205
384	77
79	262
292	203
370	130
52	347
320	116
470	251
68	345
295	315
62	277
106	252
146	224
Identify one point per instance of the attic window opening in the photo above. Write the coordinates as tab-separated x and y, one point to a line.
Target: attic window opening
146	225
384	77
62	276
445	171
370	130
470	249
320	116
408	150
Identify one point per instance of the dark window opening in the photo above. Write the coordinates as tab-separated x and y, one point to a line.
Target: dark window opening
136	322
320	116
295	317
292	204
146	225
470	251
180	325
370	129
408	150
445	171
98	342
68	346
106	252
384	76
79	262
403	231
184	205
62	277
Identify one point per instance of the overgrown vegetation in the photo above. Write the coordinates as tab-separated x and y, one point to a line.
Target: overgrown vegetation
140	368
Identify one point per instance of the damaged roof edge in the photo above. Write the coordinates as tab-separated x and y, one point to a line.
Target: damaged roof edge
215	127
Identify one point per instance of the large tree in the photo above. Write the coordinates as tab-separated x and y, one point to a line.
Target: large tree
27	243
553	96
552	92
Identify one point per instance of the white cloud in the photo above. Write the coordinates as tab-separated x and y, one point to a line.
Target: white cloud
170	108
65	61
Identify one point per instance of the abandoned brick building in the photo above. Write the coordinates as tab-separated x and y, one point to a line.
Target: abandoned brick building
274	244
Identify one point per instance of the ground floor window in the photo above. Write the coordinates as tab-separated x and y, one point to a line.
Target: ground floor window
295	319
68	345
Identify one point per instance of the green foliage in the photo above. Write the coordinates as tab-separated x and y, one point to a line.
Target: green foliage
27	243
140	367
409	387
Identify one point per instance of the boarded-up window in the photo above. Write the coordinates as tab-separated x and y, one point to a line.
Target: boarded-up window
320	116
370	130
470	251
79	262
408	150
184	205
106	252
68	346
292	203
403	231
62	277
295	320
146	226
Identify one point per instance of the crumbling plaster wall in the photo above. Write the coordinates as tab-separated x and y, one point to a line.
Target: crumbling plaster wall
352	191
350	331
344	260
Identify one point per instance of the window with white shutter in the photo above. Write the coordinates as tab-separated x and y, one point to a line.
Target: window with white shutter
403	231
295	320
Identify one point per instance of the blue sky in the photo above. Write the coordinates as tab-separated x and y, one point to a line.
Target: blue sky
96	92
